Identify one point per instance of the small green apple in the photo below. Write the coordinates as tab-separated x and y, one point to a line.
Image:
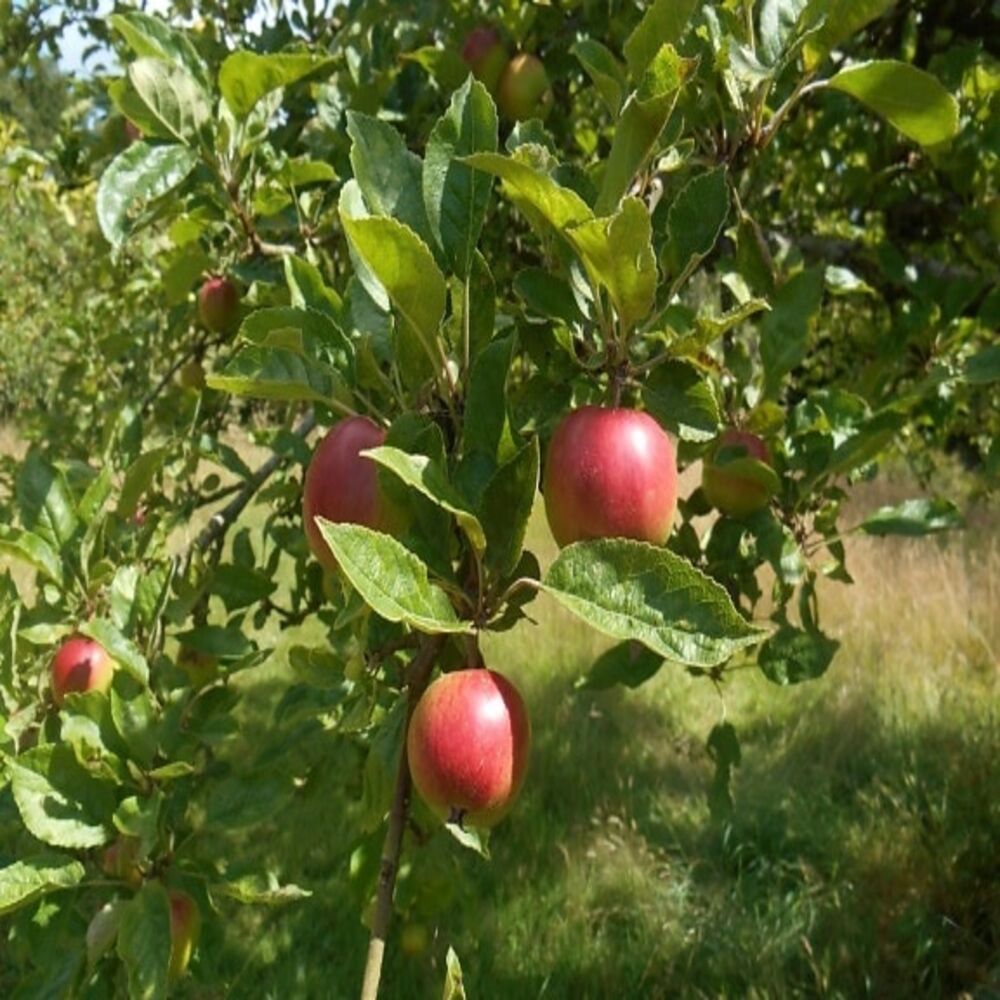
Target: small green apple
524	89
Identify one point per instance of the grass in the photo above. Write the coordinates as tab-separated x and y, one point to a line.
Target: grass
862	858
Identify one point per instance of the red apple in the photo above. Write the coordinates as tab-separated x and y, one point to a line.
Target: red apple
219	304
485	55
342	485
185	923
468	746
81	664
737	486
121	860
524	89
610	473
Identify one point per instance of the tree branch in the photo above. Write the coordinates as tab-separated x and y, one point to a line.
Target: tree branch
417	674
221	520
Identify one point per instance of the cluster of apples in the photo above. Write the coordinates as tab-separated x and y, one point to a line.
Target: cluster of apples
82	664
520	84
609	473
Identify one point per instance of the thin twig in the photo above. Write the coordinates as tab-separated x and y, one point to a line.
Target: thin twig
221	520
417	674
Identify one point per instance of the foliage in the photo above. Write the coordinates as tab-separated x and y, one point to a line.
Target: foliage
694	229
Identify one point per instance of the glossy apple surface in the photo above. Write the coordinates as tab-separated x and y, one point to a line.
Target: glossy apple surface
341	485
81	664
610	473
484	54
523	91
219	304
468	745
734	492
185	922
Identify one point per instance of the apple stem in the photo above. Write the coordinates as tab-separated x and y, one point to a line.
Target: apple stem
418	673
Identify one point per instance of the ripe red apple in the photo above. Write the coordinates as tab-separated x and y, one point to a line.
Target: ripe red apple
610	473
185	923
192	376
342	485
121	860
468	746
485	55
80	664
219	304
524	89
739	490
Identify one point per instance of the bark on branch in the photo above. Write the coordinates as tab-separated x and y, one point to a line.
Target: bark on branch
221	520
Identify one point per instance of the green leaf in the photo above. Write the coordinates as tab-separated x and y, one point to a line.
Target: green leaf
429	478
309	332
908	98
629	663
260	890
241	586
381	764
487	426
696	218
139	478
543	201
178	103
632	590
662	24
245	77
133	180
913	518
546	294
390	578
604	70
123	651
135	719
454	988
506	507
471	838
149	36
278	374
682	399
779	22
139	817
481	305
217	641
25	881
618	254
406	269
792	655
60	802
455	195
389	175
984	367
447	68
784	331
308	290
841	20
144	942
44	502
29	548
642	119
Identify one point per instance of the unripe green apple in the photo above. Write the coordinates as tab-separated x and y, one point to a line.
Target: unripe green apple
81	664
192	376
185	923
468	745
524	89
341	485
219	304
120	860
610	473
485	55
737	478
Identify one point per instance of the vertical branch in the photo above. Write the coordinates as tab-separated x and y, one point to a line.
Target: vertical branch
417	674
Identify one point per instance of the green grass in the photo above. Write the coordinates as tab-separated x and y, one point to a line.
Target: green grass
862	858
